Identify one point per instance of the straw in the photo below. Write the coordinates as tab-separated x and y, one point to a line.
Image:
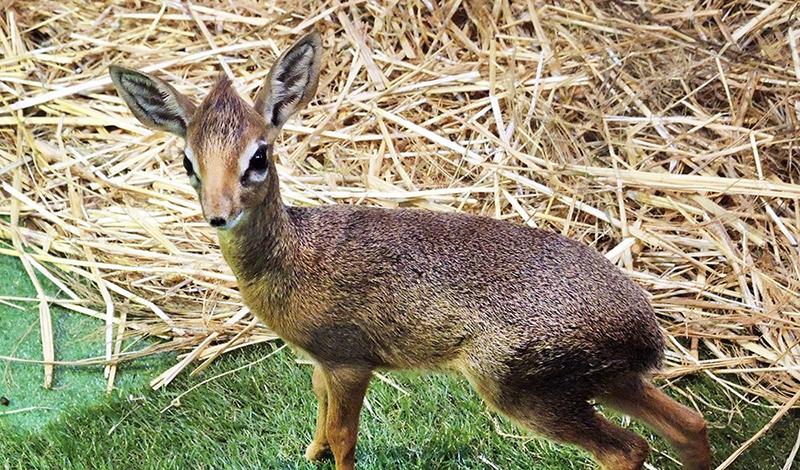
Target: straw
665	137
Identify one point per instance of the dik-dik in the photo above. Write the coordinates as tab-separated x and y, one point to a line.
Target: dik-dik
540	325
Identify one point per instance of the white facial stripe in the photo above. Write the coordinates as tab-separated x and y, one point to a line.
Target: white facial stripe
244	158
192	159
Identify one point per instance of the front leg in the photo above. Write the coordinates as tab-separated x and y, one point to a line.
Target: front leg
319	447
346	388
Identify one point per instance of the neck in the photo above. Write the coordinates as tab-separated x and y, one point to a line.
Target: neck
260	249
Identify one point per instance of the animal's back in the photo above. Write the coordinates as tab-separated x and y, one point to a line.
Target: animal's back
539	324
414	288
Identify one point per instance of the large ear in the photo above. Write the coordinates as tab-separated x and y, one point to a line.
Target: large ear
292	82
153	101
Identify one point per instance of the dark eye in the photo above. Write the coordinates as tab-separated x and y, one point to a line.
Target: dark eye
187	165
257	169
258	162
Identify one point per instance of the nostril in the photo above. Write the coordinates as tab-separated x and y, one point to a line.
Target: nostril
217	221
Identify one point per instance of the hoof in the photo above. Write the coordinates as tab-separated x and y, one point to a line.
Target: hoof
316	452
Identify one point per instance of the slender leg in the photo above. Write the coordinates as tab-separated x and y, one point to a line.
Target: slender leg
577	423
346	389
567	418
682	427
319	448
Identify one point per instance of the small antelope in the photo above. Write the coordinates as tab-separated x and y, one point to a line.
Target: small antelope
542	326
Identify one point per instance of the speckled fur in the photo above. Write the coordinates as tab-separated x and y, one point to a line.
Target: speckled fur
538	323
418	289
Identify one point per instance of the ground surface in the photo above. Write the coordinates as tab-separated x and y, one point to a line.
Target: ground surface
76	337
262	416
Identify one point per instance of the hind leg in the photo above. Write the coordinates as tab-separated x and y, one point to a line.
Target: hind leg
682	427
574	421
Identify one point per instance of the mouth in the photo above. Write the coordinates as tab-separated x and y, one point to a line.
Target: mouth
232	222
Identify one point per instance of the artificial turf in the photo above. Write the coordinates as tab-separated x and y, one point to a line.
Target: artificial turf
75	337
263	416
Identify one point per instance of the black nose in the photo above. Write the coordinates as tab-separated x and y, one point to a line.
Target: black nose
217	221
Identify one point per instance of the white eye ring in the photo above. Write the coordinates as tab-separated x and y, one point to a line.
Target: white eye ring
194	177
254	175
257	177
244	158
190	155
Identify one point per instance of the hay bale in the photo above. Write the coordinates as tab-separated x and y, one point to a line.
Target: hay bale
663	136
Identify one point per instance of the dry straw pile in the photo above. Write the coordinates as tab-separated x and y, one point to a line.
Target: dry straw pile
664	133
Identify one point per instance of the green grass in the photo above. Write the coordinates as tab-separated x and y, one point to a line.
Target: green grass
76	337
263	417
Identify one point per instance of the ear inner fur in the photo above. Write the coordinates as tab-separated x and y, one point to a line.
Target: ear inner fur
291	83
154	102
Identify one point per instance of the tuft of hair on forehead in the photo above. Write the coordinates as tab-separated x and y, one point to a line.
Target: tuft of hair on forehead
222	82
223	118
223	97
